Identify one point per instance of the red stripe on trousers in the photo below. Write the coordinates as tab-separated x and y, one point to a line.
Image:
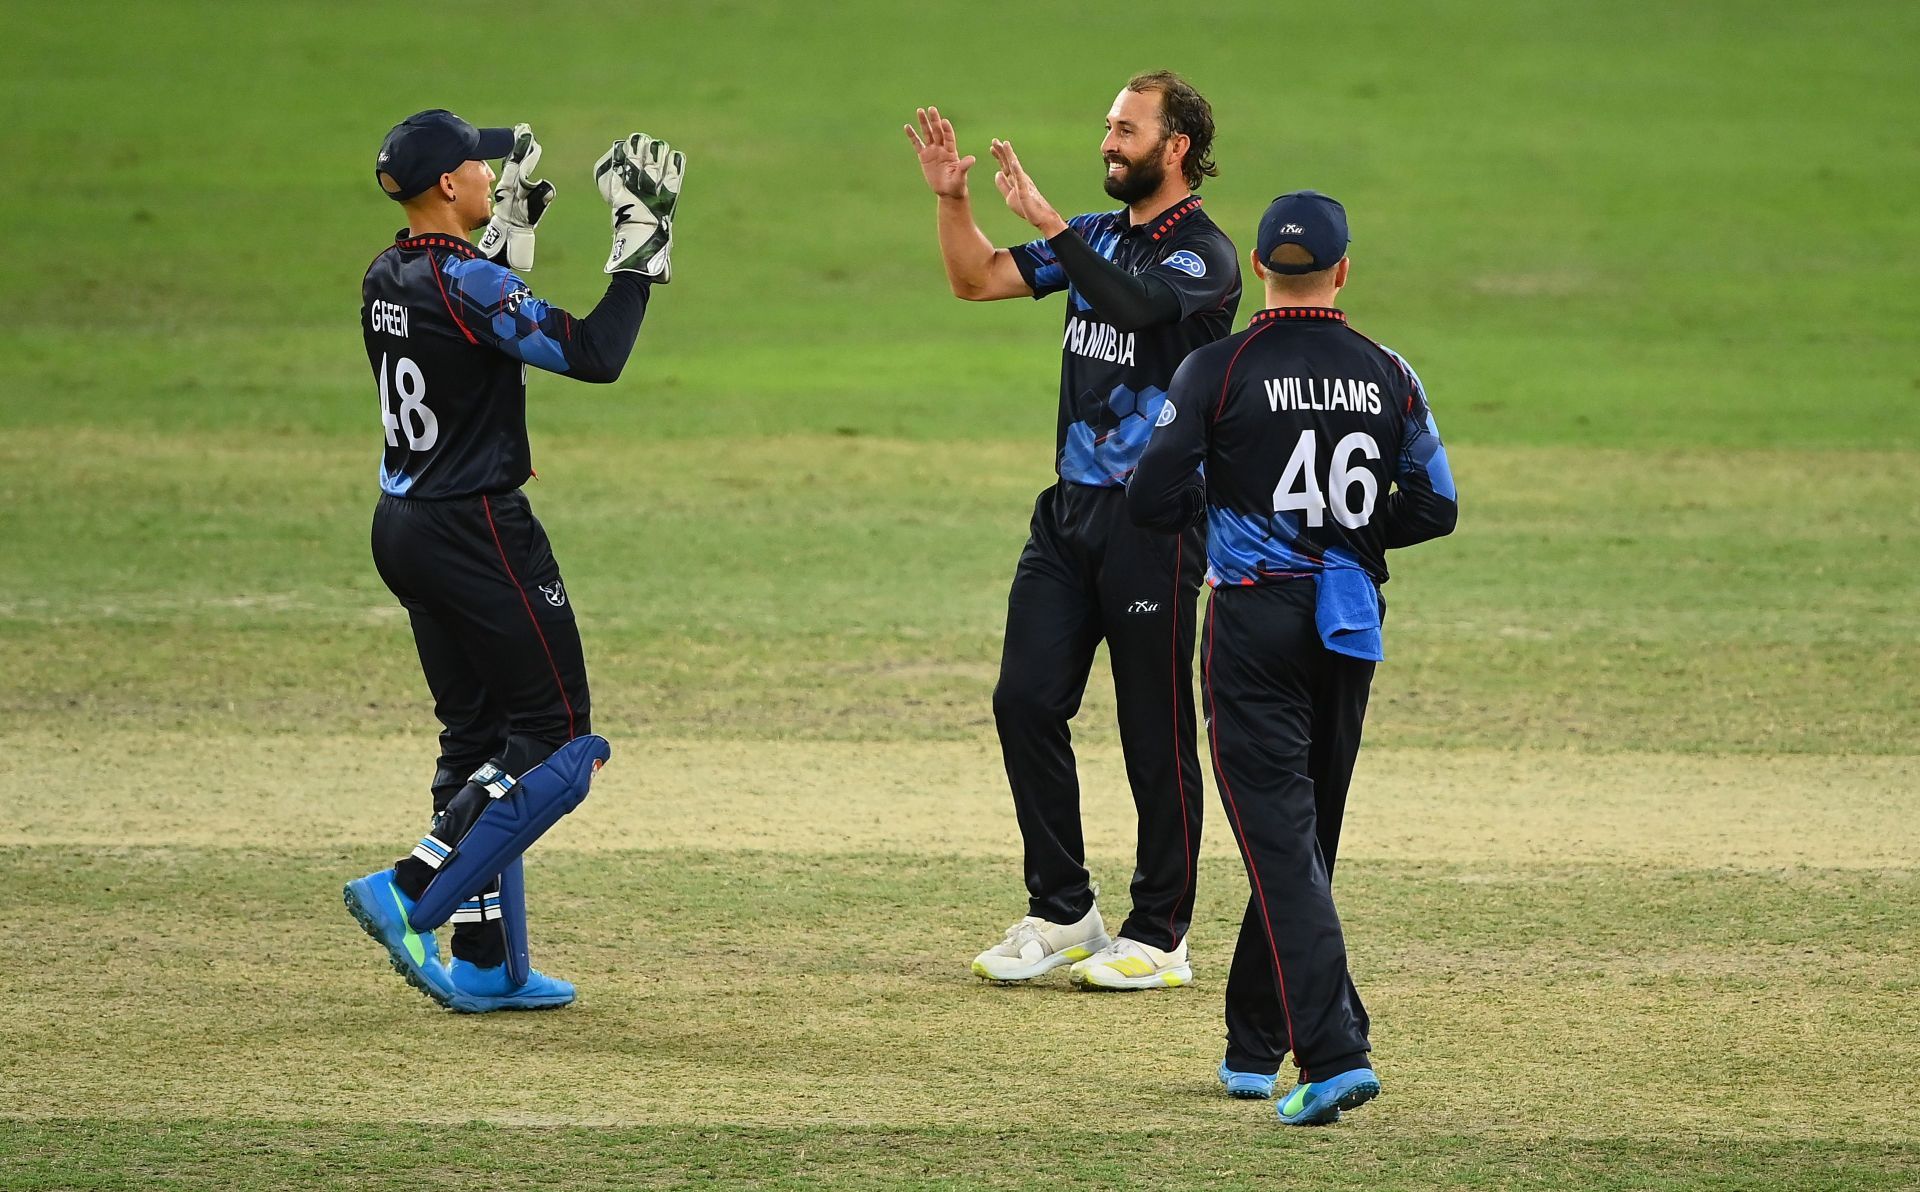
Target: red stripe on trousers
1240	837
487	504
1180	779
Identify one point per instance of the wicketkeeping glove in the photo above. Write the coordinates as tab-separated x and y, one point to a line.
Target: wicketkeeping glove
518	204
640	179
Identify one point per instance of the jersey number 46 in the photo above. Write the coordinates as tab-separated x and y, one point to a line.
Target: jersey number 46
412	418
1299	488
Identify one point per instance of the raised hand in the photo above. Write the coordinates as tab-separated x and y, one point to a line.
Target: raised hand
1023	197
518	204
940	160
640	179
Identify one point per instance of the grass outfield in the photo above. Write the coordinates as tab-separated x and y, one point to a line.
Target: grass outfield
1630	869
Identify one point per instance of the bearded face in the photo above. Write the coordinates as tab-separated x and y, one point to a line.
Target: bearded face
1130	179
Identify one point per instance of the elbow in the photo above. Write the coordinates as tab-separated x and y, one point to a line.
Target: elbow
599	374
967	291
601	370
1440	522
1149	514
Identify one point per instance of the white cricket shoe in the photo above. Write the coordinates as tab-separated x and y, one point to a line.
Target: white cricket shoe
1034	946
1130	964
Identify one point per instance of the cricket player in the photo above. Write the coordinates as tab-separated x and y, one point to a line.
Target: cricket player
1319	455
1145	284
450	328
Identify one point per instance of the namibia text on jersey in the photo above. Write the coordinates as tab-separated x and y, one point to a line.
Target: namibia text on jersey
1100	341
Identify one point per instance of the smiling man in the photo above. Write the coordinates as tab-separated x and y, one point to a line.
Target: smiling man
1146	284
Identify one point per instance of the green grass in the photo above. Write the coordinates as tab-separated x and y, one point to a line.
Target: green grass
1629	870
848	589
728	1003
1634	224
200	1154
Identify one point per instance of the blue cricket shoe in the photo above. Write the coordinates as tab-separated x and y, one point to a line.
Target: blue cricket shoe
1318	1103
1247	1086
382	911
485	989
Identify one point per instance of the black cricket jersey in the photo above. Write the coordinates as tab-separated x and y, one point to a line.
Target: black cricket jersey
1113	382
449	334
1319	449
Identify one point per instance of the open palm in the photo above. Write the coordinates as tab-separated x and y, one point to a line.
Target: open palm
940	160
1017	188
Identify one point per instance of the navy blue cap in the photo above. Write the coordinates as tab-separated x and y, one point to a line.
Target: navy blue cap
428	144
1311	220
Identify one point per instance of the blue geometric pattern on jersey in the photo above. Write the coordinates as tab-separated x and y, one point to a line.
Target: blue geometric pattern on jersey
1049	276
1103	240
394	485
1243	549
499	308
1425	453
1104	455
1422	453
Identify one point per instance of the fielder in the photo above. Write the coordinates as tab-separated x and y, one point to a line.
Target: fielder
450	328
1146	284
1320	454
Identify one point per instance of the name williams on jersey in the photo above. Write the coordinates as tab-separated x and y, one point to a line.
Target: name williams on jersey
1313	393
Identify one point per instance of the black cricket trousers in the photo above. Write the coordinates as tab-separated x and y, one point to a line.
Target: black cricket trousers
1088	574
494	627
1284	714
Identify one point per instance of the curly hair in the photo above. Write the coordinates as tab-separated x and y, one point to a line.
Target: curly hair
1183	110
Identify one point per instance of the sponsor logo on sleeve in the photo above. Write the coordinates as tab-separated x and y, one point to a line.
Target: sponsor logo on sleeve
1167	414
1187	262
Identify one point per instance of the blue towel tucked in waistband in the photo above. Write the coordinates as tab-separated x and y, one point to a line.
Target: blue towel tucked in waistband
1347	610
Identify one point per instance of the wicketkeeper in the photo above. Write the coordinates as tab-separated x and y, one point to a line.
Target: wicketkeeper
449	328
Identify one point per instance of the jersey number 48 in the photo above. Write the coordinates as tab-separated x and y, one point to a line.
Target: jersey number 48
1299	487
412	418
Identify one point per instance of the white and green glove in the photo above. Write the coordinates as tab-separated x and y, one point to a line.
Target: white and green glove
518	204
640	179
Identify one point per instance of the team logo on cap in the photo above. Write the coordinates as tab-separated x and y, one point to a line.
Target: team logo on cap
1293	230
1187	263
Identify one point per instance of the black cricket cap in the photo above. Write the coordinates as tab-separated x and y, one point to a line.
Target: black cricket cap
428	144
1309	219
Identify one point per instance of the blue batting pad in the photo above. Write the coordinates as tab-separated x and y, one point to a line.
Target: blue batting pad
509	825
513	921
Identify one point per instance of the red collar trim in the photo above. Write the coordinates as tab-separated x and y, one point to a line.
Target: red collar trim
1328	313
1180	211
436	240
